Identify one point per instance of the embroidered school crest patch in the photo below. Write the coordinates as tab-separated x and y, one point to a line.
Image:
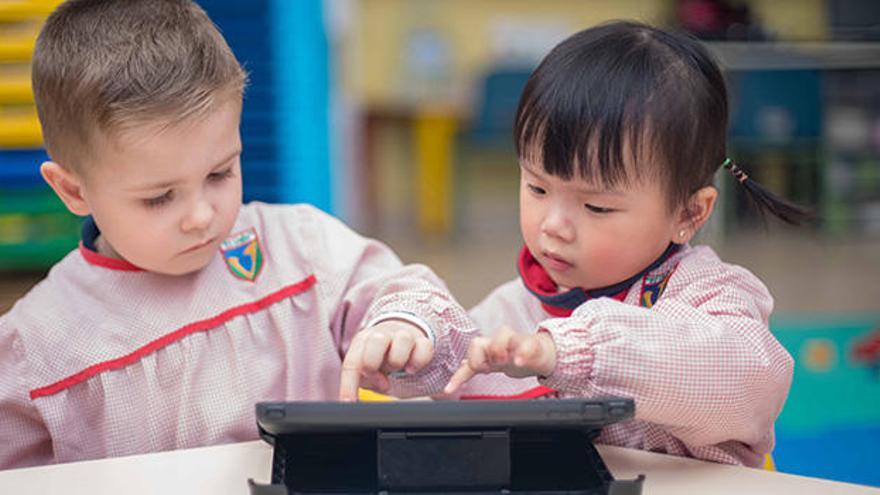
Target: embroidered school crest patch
243	255
653	286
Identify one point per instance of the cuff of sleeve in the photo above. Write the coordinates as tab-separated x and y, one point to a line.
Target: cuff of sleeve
574	356
452	330
407	317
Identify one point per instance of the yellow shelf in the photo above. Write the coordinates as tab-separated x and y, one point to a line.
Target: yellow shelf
15	88
20	130
21	10
16	49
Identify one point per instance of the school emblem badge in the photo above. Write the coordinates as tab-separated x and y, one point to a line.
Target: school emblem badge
243	255
653	286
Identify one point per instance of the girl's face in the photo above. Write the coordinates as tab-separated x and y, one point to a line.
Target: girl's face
587	236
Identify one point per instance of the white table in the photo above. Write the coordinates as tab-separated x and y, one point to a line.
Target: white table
224	469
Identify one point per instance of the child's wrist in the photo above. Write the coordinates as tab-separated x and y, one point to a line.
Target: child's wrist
410	319
548	348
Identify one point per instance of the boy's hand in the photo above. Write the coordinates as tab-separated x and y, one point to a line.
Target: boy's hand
515	354
386	347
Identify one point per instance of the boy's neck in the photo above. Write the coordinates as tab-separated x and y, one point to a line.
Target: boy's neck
104	248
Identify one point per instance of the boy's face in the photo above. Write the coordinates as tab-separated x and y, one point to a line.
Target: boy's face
586	236
165	198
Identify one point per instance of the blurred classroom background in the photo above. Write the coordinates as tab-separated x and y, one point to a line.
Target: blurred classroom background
396	116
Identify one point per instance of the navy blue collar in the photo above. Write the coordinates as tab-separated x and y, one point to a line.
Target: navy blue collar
90	233
539	283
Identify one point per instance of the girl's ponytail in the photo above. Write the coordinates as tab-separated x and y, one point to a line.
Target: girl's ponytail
765	200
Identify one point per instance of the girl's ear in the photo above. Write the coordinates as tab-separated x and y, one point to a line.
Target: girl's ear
67	185
695	214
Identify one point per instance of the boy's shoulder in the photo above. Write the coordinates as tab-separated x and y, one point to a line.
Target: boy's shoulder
57	292
299	219
304	232
37	318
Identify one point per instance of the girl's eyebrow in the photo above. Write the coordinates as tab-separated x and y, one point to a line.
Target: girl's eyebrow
605	191
529	169
592	191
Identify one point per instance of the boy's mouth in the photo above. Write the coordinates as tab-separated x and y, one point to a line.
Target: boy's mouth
198	246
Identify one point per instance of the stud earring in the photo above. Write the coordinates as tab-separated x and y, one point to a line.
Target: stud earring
682	233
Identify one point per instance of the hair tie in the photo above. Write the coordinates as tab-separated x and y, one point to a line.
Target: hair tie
737	172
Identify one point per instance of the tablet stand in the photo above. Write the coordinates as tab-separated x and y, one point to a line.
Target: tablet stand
460	460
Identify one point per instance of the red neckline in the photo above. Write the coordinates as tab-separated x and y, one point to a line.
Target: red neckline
98	259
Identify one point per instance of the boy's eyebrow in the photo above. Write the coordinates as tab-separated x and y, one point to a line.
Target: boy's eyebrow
167	184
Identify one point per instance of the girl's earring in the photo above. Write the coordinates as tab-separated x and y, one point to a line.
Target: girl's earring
682	233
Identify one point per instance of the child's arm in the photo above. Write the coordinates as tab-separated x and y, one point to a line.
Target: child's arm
24	440
364	282
701	364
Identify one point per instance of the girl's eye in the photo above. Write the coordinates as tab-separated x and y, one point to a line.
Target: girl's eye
597	209
536	189
219	176
159	200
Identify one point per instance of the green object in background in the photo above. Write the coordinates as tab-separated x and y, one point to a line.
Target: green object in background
830	387
830	424
36	230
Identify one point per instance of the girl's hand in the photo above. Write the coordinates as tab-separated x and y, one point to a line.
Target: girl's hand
515	354
386	347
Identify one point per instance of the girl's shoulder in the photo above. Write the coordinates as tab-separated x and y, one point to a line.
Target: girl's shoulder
703	262
698	271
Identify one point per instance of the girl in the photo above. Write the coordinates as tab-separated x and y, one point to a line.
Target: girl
619	133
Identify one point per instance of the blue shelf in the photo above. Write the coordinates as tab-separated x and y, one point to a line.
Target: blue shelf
20	169
285	121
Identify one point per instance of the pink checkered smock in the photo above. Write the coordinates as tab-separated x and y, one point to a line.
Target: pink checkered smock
104	359
707	376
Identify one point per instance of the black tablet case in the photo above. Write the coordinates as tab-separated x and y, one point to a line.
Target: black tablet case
475	447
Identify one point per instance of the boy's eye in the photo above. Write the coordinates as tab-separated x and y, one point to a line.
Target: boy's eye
536	189
597	209
160	200
218	176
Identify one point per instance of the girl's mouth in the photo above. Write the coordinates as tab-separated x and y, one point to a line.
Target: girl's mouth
555	263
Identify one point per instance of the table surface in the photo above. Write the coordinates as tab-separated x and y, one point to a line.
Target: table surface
224	469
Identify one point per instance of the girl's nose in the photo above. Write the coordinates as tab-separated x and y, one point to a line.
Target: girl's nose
556	224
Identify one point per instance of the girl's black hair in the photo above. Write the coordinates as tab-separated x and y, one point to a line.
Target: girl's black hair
622	92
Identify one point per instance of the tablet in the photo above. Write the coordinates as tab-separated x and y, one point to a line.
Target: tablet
279	418
492	446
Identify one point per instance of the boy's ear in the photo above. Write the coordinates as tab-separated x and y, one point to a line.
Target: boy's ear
67	185
695	214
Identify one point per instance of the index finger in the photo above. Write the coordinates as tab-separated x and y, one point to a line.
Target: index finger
459	378
350	377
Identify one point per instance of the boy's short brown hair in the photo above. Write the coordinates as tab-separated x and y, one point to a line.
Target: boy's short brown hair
104	66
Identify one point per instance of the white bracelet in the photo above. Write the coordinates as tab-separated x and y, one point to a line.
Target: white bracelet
407	317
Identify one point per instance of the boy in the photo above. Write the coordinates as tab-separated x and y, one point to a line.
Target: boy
181	308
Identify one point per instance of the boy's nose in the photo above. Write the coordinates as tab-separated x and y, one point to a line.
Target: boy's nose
199	217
